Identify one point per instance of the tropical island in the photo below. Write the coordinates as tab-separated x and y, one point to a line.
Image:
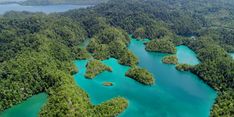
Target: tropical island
171	59
141	75
95	67
37	50
108	84
161	45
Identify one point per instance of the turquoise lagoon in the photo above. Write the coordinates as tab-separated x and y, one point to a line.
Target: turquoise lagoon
175	94
186	55
29	108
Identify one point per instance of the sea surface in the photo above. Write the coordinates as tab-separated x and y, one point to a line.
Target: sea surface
45	9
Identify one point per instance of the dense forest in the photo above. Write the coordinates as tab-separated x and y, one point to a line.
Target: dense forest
183	67
141	75
36	56
161	45
37	50
95	67
171	59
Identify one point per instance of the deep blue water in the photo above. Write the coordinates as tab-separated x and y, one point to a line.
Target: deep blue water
175	94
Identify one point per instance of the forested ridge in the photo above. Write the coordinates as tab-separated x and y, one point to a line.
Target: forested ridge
37	50
53	2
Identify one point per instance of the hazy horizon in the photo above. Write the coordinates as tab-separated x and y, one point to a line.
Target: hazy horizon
1	1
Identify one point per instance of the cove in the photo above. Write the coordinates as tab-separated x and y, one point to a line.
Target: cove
175	94
28	108
186	56
232	55
45	9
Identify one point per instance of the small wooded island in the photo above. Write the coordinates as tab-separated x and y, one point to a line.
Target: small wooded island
141	75
95	67
161	45
108	84
171	59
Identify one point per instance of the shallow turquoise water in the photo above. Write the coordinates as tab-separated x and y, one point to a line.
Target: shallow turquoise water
232	54
28	108
46	9
186	55
175	94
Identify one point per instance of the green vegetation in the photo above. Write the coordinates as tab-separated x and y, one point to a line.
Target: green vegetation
139	33
32	50
154	30
161	45
112	42
70	100
216	70
36	55
111	108
128	59
141	75
99	51
172	59
224	37
95	67
183	67
81	53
